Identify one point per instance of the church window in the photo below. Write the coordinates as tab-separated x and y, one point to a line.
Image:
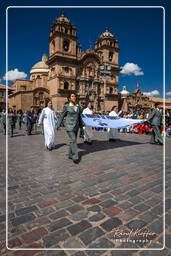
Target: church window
66	30
66	86
110	56
66	45
111	90
66	69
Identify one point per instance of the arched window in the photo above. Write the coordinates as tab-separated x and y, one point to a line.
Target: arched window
66	45
110	56
111	90
66	86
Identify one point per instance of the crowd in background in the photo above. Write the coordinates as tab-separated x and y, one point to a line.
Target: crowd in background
29	119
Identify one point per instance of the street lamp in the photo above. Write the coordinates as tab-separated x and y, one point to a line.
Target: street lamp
105	73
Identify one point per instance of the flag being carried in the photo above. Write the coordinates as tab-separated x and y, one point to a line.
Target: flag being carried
108	121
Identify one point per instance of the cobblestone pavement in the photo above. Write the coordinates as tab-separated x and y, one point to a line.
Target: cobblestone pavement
54	203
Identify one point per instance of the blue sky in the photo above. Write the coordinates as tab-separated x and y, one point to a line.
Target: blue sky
139	31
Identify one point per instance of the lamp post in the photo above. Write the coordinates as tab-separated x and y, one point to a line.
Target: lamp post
105	73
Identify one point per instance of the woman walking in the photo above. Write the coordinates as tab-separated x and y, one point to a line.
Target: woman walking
72	112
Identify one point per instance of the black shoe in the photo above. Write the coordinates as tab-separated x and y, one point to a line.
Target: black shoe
76	161
69	157
112	140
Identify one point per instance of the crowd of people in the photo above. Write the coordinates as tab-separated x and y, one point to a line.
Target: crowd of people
70	117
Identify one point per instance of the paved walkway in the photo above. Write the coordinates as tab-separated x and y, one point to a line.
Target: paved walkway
54	203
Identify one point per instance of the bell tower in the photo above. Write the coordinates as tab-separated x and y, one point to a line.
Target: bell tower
107	47
62	60
62	38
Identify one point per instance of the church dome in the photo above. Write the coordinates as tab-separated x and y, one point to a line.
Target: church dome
106	33
62	18
40	66
124	92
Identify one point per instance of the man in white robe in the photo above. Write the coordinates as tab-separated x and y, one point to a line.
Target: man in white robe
88	134
113	132
48	120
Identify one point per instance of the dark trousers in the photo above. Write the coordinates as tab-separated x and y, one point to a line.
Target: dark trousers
156	135
29	127
11	129
73	150
20	124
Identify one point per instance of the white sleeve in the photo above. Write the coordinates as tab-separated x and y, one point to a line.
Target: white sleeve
41	117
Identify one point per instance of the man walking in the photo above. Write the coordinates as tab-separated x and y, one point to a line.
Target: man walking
88	134
30	120
155	118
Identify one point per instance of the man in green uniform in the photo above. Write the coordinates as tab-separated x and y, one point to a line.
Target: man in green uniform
155	118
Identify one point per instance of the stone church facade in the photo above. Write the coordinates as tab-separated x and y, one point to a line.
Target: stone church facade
69	69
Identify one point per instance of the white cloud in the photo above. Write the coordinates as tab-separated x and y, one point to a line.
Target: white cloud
152	93
12	75
168	93
131	69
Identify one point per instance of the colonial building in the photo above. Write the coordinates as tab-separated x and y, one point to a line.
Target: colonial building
91	74
68	69
133	101
3	95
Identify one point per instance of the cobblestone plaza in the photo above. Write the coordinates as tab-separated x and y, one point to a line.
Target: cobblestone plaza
53	203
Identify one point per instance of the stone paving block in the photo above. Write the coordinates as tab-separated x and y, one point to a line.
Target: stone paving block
136	224
59	224
91	234
47	203
153	201
108	203
22	219
91	201
58	215
112	211
156	227
164	252
55	237
168	219
94	208
29	252
110	224
80	253
102	243
124	205
56	253
78	216
14	243
148	216
26	210
73	243
34	235
158	210
79	199
106	196
97	217
75	208
128	215
78	227
168	204
142	207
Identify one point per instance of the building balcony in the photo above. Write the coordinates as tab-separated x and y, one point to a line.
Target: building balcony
66	91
